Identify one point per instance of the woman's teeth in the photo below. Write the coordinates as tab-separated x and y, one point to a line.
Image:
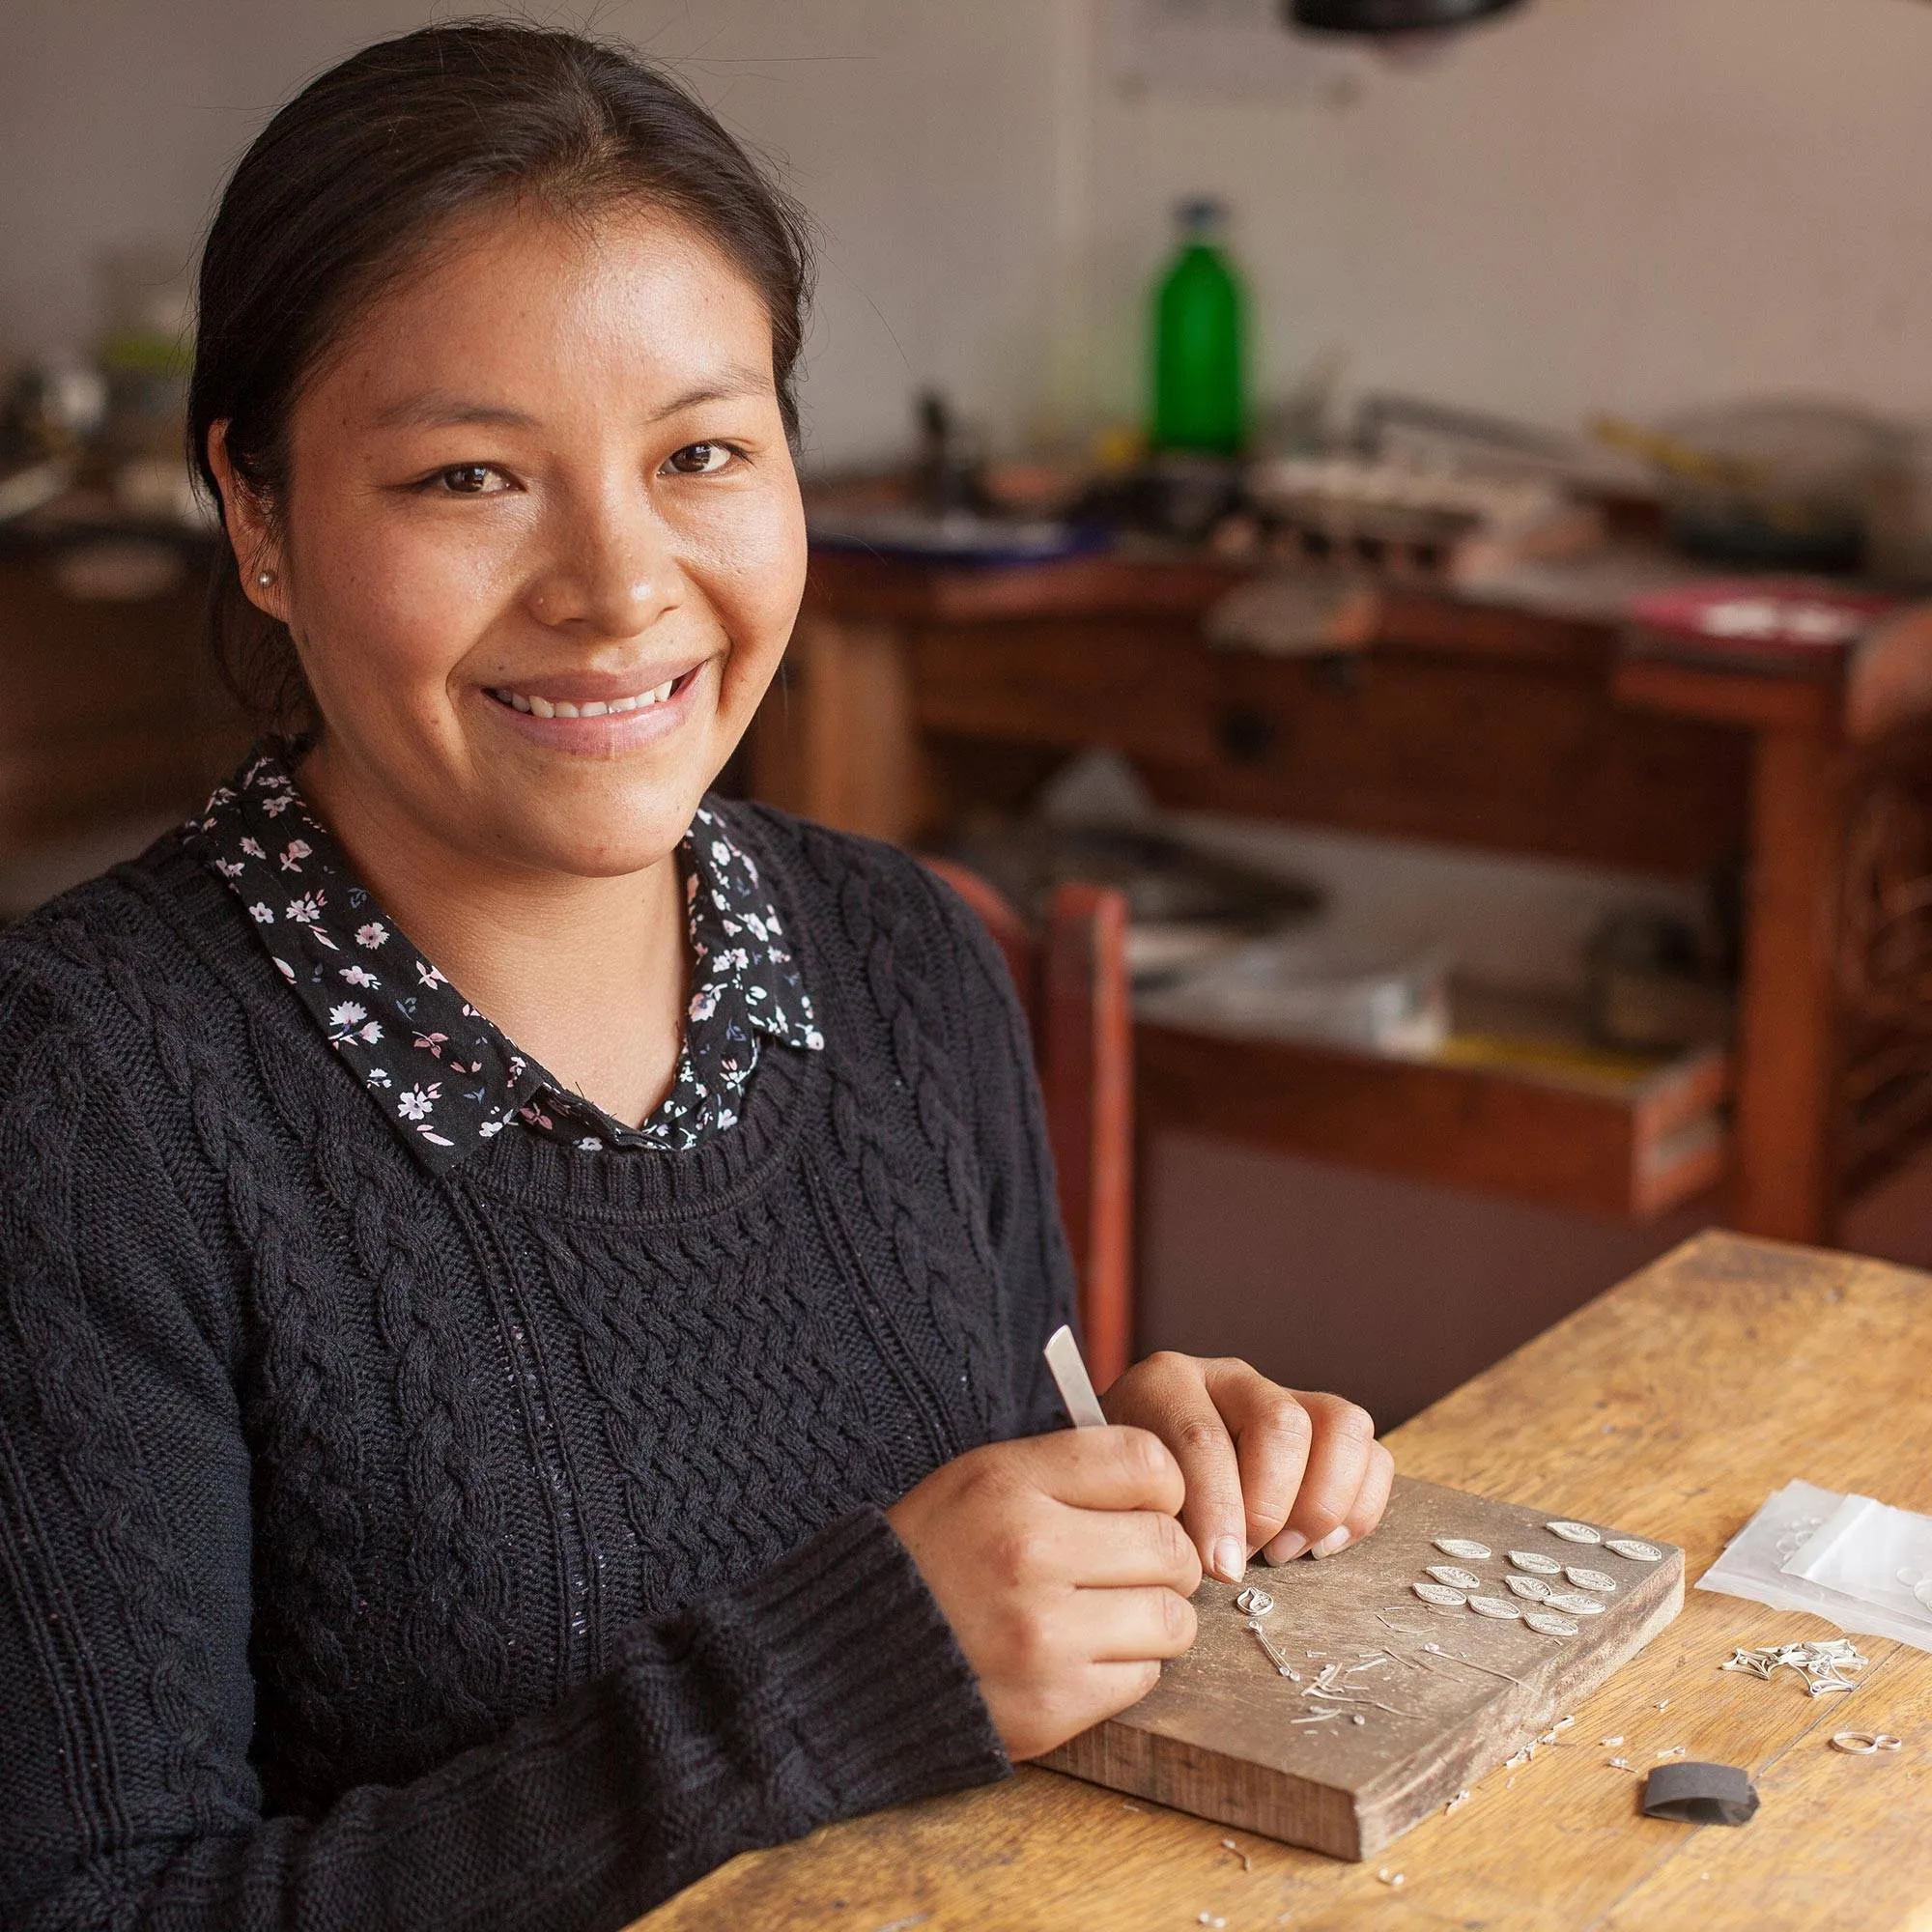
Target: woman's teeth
541	707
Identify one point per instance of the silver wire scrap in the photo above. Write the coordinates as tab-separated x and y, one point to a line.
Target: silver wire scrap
1281	1663
1822	1664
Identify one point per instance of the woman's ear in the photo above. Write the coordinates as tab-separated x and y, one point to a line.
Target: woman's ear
250	533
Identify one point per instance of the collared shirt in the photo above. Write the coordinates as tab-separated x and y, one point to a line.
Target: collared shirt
444	1074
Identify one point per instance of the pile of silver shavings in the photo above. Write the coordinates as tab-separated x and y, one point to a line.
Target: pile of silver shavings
1822	1664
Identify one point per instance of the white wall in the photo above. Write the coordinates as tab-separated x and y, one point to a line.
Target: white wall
920	134
1633	204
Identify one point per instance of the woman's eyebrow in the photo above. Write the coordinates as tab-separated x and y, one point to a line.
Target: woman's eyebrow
726	387
434	411
438	411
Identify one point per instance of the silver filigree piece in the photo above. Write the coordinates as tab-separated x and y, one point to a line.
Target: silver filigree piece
1549	1624
1439	1594
1593	1580
1253	1602
1536	1563
1575	1532
1637	1551
1531	1589
1574	1603
1822	1664
1457	1579
1499	1608
1463	1548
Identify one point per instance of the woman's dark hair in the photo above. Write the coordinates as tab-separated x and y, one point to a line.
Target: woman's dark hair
356	177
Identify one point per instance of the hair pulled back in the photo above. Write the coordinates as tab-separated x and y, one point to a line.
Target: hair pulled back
353	181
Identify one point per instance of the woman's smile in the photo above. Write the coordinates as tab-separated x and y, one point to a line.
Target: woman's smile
603	714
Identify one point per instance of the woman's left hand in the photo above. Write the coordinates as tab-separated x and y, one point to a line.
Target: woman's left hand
1268	1469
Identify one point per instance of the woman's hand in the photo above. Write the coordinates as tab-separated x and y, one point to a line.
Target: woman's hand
1266	1469
1058	1563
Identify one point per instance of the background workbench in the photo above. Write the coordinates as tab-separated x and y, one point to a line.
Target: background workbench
1673	1404
913	692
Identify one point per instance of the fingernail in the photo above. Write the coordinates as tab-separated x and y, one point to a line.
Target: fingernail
1231	1563
1336	1539
1288	1545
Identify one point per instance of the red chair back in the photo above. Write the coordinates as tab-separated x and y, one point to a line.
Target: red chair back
1072	982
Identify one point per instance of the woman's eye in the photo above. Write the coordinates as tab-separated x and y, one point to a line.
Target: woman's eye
700	459
469	479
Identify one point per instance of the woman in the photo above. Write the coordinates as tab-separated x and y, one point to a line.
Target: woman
526	1282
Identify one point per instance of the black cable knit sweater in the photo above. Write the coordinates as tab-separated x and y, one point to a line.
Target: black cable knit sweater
504	1548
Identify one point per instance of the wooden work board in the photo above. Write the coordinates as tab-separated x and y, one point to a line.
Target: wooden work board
1218	1735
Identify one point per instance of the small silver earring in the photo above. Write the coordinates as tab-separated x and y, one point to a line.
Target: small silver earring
265	577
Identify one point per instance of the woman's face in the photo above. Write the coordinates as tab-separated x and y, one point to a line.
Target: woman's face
540	546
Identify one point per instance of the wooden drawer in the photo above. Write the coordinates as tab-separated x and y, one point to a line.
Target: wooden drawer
1630	1148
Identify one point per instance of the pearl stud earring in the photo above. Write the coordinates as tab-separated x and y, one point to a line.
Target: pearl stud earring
265	577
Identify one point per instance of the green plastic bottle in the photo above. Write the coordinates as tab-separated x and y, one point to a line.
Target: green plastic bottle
1200	377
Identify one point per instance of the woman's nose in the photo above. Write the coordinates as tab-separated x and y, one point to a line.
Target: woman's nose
612	574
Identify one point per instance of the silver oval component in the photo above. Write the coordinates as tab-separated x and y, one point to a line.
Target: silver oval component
1637	1552
1456	1579
1593	1580
1550	1622
1494	1606
1575	1532
1532	1589
1574	1603
1536	1563
1463	1548
1440	1593
1253	1602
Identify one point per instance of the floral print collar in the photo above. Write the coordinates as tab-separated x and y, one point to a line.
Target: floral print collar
445	1077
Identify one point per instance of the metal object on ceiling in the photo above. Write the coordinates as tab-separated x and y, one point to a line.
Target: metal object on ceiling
1389	17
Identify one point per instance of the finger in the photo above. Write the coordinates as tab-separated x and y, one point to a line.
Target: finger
1116	1469
1174	1403
1104	1549
1271	1432
1372	1498
1131	1626
1338	1461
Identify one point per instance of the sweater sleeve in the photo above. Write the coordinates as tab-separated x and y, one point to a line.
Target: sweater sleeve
829	1686
1035	1267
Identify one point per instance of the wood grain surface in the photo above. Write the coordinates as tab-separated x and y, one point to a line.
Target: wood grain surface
1441	1694
1677	1403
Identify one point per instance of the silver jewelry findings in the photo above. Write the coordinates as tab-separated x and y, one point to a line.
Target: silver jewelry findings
1574	1603
1575	1532
1456	1578
1439	1594
1536	1563
1637	1552
1531	1589
1593	1580
1500	1608
1463	1548
1548	1623
1253	1602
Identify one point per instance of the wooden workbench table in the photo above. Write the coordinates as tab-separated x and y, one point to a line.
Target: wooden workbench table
1675	1404
915	693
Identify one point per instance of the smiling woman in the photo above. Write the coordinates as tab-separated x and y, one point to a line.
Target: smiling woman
527	1281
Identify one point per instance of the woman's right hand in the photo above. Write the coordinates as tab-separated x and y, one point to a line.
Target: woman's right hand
1061	1565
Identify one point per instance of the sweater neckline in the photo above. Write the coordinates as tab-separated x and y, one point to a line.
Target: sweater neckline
527	1170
